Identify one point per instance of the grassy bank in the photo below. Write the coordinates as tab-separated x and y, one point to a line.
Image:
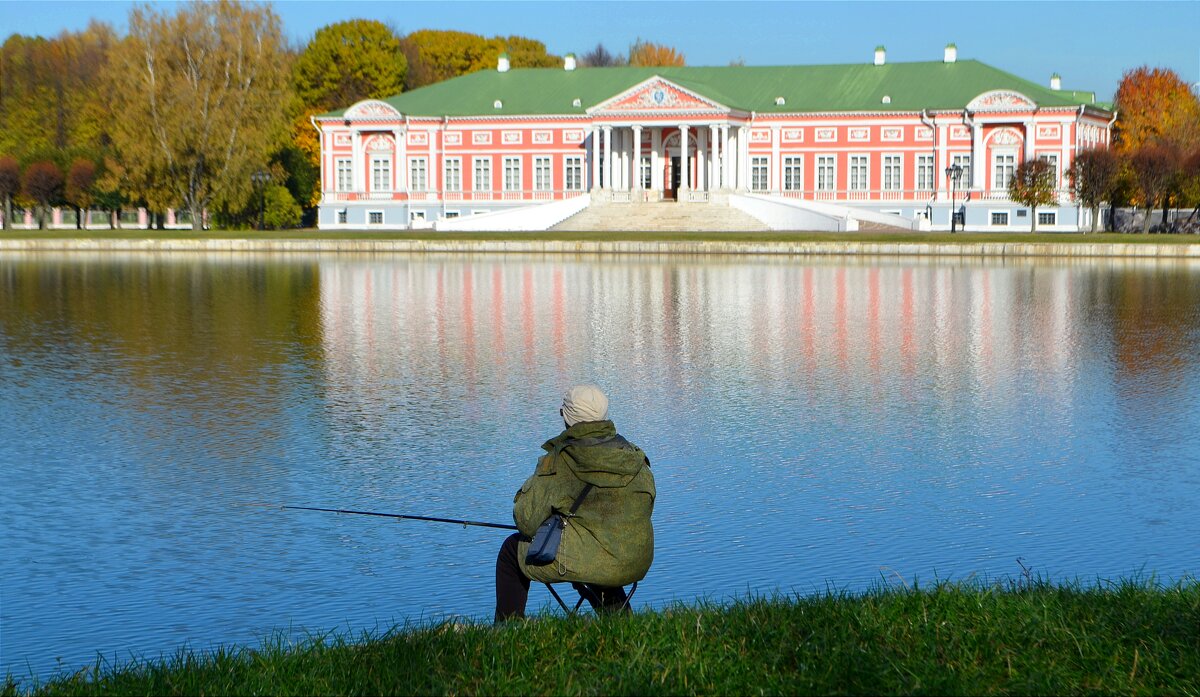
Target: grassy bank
620	236
1129	638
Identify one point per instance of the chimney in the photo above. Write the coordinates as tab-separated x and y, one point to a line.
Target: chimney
880	55
1055	82
951	54
569	62
502	63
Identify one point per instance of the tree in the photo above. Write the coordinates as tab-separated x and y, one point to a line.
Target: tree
434	56
1155	106
651	54
1191	183
43	184
600	57
1154	166
1093	175
1032	185
211	88
10	186
81	178
280	210
347	62
525	53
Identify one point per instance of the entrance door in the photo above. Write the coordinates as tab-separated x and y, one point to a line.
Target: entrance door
672	192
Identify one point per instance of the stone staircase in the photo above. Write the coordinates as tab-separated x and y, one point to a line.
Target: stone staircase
665	216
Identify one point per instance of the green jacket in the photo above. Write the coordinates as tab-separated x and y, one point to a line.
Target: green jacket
609	542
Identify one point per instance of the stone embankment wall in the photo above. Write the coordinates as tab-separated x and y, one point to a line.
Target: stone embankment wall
823	248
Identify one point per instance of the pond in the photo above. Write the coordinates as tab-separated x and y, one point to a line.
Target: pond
813	424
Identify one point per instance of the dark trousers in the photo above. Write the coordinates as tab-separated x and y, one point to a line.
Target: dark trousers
512	586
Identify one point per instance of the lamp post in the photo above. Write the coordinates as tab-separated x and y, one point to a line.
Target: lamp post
954	172
260	179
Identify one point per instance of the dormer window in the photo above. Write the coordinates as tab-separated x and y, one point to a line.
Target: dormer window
498	104
577	102
780	101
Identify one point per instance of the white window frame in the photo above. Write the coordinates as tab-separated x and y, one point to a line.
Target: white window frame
826	173
450	214
1003	162
381	173
343	216
371	214
1051	215
344	174
645	172
414	216
452	176
966	181
926	180
860	172
512	173
793	173
573	173
418	174
760	173
992	218
543	173
481	171
893	168
1052	158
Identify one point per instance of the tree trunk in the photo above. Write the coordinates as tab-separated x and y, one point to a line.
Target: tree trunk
1166	211
197	217
1149	213
1033	219
78	218
41	217
7	212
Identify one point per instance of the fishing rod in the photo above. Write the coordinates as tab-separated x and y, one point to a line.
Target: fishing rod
398	516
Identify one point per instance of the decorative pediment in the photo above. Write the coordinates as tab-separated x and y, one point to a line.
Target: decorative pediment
657	95
372	109
1001	100
1006	136
379	142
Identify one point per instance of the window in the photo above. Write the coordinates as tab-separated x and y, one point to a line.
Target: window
1000	218
892	173
345	174
541	174
793	173
512	174
1004	165
644	171
453	176
859	173
758	174
925	173
1048	218
375	217
967	178
573	173
381	174
451	214
1052	158
416	174
341	217
826	173
483	174
416	216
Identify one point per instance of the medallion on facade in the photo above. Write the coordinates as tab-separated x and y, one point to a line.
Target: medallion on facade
655	95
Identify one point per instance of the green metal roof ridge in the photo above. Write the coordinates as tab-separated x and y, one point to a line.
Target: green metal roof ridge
837	88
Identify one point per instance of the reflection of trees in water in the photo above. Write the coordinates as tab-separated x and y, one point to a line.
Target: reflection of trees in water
180	348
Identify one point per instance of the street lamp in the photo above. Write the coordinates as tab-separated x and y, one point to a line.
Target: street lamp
954	172
260	179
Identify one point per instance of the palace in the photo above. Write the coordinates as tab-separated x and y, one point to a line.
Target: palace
798	147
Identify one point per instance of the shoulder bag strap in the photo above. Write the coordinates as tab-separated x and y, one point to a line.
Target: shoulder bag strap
575	506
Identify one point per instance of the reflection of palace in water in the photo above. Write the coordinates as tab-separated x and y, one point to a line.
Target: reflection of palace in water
544	320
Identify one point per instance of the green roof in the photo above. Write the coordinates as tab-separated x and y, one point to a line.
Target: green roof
819	88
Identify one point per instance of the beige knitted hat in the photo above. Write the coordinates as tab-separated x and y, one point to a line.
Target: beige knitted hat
584	403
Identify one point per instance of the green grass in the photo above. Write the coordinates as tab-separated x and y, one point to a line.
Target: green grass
1132	638
914	237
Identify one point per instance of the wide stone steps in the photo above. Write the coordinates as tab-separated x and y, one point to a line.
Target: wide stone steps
661	217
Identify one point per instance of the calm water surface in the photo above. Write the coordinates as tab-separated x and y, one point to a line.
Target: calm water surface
811	424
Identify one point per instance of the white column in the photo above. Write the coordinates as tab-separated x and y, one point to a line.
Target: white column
701	159
594	157
356	161
656	175
775	178
725	175
401	173
434	166
683	157
1030	140
714	158
608	168
637	158
977	164
943	159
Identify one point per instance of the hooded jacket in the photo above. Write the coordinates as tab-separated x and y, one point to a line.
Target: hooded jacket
609	541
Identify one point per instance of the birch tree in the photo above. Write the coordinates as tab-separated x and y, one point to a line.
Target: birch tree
206	89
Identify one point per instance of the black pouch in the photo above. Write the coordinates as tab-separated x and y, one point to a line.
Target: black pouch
543	549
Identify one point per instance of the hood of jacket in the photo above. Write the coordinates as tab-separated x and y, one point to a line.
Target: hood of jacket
597	455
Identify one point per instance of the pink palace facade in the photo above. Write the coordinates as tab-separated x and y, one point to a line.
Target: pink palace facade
802	147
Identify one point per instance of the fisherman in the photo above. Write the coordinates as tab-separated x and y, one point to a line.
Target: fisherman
607	541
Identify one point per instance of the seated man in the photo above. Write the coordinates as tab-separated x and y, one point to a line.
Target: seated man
608	542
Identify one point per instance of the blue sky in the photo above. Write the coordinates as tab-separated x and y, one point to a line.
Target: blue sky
1089	43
